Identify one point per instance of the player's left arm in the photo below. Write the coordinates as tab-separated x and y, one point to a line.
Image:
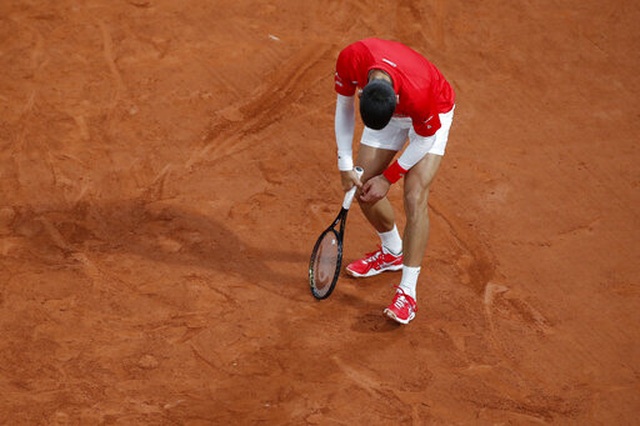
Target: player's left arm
377	187
425	126
415	151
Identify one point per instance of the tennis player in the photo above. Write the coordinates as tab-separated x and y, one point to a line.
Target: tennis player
404	100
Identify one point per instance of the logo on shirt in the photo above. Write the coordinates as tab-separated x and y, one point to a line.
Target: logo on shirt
393	64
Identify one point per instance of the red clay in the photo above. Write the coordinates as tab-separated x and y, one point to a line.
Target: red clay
165	170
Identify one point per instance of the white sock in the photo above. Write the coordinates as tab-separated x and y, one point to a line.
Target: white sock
409	280
391	240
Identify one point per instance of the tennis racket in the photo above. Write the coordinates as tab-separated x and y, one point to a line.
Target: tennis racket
326	258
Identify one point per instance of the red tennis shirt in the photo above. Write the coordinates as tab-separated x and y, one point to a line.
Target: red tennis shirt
422	90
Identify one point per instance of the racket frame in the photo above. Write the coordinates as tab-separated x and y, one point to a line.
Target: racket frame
341	219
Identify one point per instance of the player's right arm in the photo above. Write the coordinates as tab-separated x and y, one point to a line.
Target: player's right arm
345	119
344	124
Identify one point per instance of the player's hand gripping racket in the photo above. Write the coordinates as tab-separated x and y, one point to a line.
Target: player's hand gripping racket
326	258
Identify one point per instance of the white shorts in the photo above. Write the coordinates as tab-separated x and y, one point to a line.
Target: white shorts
395	134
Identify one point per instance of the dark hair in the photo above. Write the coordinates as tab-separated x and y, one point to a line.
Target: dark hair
377	103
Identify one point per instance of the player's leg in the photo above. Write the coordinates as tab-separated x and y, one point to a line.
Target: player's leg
416	197
403	308
377	150
375	161
417	183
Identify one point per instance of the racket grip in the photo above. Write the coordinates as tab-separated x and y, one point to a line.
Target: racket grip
348	197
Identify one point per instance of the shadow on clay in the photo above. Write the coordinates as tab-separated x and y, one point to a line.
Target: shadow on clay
155	231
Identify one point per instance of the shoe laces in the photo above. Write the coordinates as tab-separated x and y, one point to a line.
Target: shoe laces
374	256
403	299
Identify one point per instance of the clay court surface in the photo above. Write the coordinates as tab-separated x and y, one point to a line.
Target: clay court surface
165	168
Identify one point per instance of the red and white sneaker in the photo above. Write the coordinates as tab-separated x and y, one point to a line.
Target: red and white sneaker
403	308
375	263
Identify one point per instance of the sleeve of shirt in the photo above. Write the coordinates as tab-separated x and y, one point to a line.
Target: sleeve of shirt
427	126
426	121
344	74
344	127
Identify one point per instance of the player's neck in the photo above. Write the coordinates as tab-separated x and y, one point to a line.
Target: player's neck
379	75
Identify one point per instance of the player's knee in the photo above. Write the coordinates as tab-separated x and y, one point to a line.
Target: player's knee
416	201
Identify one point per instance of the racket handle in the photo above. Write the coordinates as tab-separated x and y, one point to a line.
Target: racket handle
348	197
